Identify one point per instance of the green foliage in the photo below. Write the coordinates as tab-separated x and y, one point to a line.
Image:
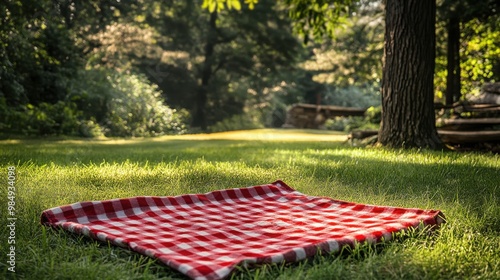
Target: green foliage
126	105
479	51
374	114
481	54
251	50
250	120
42	119
275	116
135	108
349	65
352	96
102	103
38	55
52	119
317	18
219	5
47	48
90	129
371	120
124	46
5	115
62	118
346	124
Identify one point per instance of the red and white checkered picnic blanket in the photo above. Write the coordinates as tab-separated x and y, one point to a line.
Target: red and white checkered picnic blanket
205	236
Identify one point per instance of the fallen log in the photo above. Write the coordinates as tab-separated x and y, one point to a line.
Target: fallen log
361	134
477	121
480	108
448	136
469	124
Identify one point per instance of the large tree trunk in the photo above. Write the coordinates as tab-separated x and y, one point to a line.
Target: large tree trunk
408	118
200	115
453	63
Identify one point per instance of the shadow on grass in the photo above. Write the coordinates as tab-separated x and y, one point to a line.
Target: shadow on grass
316	167
407	177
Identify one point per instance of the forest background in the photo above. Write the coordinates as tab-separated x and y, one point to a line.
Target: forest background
146	68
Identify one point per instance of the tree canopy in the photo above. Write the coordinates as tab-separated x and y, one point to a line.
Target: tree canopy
209	65
407	111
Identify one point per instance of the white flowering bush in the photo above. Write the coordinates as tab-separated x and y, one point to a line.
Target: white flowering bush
136	108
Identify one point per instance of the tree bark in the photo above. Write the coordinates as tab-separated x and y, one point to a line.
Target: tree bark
408	118
200	115
453	63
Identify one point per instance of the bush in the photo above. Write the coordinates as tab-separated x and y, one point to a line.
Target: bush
61	118
238	122
276	115
124	105
49	119
344	123
373	116
6	114
90	129
136	108
353	96
99	102
44	119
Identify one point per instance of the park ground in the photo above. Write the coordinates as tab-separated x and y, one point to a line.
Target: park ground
465	186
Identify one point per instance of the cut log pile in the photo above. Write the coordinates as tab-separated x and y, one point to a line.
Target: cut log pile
490	94
474	124
477	121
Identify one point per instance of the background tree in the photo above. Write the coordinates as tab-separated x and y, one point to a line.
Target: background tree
407	83
231	69
349	64
408	118
233	56
463	20
46	86
74	55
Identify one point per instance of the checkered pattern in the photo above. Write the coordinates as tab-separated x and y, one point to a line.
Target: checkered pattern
204	236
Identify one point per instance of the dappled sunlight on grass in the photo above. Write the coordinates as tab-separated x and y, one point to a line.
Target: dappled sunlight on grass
463	185
271	135
288	135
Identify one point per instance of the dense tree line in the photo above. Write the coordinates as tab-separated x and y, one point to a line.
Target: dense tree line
409	61
80	57
136	68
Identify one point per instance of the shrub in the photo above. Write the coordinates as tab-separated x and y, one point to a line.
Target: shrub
99	102
374	114
90	129
371	120
136	108
6	114
276	115
124	105
50	119
344	123
353	96
238	122
61	118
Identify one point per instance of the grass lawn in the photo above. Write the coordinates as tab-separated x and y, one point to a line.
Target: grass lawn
49	173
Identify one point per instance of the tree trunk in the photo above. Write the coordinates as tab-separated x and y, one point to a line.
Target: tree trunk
200	115
453	63
408	118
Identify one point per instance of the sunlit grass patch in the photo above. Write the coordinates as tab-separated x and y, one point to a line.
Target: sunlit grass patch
465	186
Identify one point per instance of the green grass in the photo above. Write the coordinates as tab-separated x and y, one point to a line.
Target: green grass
465	186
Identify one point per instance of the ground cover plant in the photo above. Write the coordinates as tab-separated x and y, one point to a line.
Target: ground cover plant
49	173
